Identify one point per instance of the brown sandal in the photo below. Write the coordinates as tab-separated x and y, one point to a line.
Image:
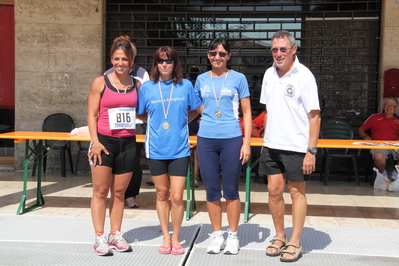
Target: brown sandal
297	253
278	248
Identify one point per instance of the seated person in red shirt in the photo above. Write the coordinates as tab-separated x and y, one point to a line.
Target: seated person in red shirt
258	125
258	130
382	126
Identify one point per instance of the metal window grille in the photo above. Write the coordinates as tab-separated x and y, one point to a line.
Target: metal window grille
337	40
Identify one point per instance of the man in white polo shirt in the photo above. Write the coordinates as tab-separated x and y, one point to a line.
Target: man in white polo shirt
292	120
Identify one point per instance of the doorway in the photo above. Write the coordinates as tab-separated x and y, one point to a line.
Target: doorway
7	82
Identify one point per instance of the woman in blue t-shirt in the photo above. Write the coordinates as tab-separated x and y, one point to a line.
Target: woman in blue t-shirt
220	143
168	99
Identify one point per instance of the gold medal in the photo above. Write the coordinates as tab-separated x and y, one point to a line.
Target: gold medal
217	99
165	125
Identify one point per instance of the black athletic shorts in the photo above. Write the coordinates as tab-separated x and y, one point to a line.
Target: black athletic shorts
174	167
122	153
289	163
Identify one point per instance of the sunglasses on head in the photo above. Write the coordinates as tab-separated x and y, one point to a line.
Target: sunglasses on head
167	60
221	54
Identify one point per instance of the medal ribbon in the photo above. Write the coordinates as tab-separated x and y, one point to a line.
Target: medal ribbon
218	99
165	111
113	84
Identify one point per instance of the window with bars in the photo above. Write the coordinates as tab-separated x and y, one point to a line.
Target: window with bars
338	41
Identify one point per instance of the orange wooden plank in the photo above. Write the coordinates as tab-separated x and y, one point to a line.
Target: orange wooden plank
21	136
346	143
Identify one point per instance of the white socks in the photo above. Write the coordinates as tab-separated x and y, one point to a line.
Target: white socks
218	233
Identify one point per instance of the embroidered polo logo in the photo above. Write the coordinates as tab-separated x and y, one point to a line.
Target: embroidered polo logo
290	91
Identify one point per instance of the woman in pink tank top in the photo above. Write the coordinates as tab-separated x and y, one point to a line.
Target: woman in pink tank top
111	120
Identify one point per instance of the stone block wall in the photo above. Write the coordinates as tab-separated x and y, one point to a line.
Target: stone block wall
59	50
389	56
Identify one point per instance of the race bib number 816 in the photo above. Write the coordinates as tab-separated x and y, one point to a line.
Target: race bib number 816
122	118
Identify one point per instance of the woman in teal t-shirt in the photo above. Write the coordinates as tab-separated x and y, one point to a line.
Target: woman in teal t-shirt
220	143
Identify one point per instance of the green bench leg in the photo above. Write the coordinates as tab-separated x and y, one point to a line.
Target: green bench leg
190	203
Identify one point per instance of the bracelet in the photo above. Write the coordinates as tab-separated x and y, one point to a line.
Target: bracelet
92	142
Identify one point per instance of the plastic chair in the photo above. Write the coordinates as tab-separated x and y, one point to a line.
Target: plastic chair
81	149
337	130
58	122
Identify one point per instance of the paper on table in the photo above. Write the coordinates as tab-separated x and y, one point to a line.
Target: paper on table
370	143
392	143
81	131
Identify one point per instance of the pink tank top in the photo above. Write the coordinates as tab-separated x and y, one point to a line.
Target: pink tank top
111	99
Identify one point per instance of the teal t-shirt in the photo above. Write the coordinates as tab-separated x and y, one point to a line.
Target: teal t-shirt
167	143
221	122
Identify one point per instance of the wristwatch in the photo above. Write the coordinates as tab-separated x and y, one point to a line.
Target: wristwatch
312	150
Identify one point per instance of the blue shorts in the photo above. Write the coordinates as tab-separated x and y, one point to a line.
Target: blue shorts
215	155
173	167
122	153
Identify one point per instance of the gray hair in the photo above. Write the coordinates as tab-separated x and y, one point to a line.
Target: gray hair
392	99
285	33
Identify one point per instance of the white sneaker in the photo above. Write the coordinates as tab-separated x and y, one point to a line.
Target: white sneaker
101	246
118	242
232	245
131	202
217	244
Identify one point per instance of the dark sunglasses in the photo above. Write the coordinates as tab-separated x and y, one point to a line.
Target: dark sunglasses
167	60
221	54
